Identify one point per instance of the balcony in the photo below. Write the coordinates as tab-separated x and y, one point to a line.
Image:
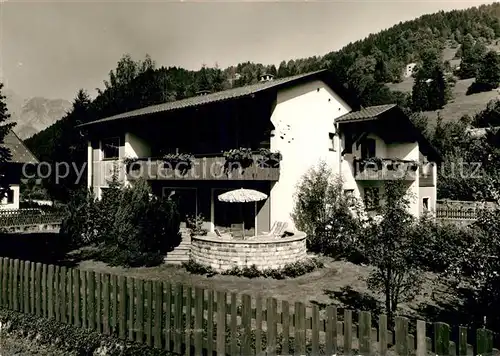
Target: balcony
374	169
204	168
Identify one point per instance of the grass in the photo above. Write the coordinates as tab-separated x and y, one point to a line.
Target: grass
339	283
459	106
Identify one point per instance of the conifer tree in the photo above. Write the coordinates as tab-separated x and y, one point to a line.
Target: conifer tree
5	154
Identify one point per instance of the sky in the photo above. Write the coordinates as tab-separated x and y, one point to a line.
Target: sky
52	49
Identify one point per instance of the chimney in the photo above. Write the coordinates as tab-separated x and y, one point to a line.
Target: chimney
266	77
203	92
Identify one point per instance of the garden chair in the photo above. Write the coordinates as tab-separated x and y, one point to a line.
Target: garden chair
237	231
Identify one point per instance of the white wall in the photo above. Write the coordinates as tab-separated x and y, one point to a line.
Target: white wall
102	170
405	151
304	115
136	147
15	203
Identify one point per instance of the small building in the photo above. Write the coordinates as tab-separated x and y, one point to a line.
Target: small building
410	68
21	158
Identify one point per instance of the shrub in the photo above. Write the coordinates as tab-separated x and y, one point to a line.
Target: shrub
331	219
291	270
67	338
130	226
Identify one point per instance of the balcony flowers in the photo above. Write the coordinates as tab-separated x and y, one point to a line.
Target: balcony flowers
239	156
129	163
269	158
179	161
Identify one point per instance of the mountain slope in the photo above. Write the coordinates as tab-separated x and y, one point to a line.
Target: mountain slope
35	114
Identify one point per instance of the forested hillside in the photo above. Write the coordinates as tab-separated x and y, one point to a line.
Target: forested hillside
365	67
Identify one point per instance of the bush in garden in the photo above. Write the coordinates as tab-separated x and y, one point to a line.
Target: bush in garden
79	223
329	217
143	229
129	225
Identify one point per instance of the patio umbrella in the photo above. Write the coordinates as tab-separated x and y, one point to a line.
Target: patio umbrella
243	196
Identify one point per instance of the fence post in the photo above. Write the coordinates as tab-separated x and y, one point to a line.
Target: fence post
462	341
401	335
258	326
15	290
315	330
148	286
91	299
221	323
421	339
33	293
44	290
63	294
76	297
285	326
441	339
139	301
105	296
121	323
300	329
168	316
198	321
234	325
246	321
98	301
484	342
365	333
210	322
347	332
271	324
114	306
178	306
83	297
158	311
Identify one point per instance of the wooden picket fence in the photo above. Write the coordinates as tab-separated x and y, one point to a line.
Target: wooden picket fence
197	321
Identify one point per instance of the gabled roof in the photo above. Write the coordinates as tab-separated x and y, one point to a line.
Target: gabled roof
365	113
221	96
392	112
18	150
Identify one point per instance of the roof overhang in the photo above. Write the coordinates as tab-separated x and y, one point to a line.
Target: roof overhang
249	91
393	125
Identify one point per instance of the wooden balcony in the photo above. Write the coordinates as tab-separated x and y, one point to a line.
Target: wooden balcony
385	169
203	168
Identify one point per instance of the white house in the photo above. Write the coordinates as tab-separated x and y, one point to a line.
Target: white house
410	68
307	118
20	155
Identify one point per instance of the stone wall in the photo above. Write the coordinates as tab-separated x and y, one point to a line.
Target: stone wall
263	252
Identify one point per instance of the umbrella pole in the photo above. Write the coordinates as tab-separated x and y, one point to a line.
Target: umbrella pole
255	218
243	220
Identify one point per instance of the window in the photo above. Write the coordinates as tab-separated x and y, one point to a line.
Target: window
110	148
371	198
331	135
9	197
368	148
425	203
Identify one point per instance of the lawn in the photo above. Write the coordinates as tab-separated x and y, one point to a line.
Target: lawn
459	106
340	283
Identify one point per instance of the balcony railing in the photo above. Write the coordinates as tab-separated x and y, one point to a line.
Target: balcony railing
384	169
393	169
204	168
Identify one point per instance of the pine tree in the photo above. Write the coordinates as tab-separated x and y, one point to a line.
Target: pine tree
420	101
488	74
5	154
436	92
